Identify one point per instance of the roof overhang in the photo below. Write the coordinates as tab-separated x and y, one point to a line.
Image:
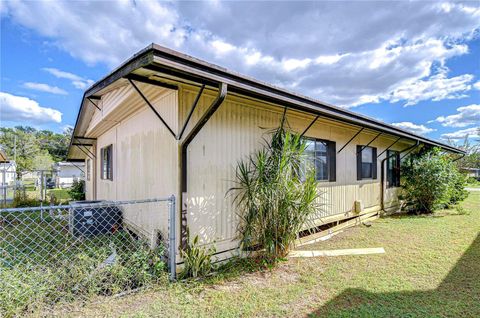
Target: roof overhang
172	65
3	156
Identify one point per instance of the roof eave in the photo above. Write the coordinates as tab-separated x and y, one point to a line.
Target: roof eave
166	60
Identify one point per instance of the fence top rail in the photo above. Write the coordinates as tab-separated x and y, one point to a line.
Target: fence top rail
87	204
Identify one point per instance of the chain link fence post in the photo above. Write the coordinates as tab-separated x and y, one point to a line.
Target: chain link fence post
171	237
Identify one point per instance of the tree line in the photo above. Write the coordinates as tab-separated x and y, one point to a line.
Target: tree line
472	158
34	149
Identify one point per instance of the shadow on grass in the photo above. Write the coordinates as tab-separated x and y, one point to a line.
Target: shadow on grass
457	296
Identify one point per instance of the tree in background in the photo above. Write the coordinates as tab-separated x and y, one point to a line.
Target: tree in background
33	149
56	144
21	145
472	158
43	161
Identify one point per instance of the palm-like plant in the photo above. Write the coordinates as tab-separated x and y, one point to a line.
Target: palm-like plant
275	195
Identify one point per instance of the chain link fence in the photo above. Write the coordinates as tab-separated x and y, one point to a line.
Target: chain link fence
8	184
70	252
42	186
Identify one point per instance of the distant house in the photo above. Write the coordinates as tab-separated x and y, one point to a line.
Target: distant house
67	172
166	123
8	172
472	172
8	169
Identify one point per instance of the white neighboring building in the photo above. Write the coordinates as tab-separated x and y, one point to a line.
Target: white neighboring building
7	172
472	172
67	172
8	169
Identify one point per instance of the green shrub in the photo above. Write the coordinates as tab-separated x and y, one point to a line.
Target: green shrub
471	181
275	198
77	191
431	180
197	260
457	184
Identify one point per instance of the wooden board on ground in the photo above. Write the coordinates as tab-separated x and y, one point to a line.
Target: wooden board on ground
344	252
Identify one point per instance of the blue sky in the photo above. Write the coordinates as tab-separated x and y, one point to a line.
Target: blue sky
415	65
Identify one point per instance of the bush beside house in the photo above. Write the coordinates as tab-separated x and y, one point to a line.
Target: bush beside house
431	180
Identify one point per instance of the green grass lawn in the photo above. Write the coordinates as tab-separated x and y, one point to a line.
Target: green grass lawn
473	185
431	269
61	194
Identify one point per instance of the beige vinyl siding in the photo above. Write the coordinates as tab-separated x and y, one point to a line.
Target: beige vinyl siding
392	203
145	163
234	132
145	157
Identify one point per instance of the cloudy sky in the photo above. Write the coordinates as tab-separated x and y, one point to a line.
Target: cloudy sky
413	64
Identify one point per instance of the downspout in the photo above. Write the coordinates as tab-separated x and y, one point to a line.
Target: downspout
182	153
382	181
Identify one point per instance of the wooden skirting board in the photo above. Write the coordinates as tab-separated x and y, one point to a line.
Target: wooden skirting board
320	236
343	216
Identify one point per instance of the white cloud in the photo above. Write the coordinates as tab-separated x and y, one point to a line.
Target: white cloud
414	128
62	74
436	88
462	134
82	84
328	50
17	108
45	88
477	85
466	116
77	81
67	128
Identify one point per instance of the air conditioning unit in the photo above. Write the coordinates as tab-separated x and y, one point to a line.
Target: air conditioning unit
86	219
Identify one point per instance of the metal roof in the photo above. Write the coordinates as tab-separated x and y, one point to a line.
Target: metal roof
166	61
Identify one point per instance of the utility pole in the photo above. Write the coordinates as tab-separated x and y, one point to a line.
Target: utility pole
15	148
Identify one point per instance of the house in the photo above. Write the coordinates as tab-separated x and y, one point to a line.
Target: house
8	174
67	172
472	172
167	123
8	169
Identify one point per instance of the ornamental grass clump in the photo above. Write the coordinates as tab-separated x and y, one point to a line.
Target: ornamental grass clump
276	195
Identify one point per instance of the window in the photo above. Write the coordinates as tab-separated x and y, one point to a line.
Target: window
366	163
89	169
321	155
107	162
393	169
